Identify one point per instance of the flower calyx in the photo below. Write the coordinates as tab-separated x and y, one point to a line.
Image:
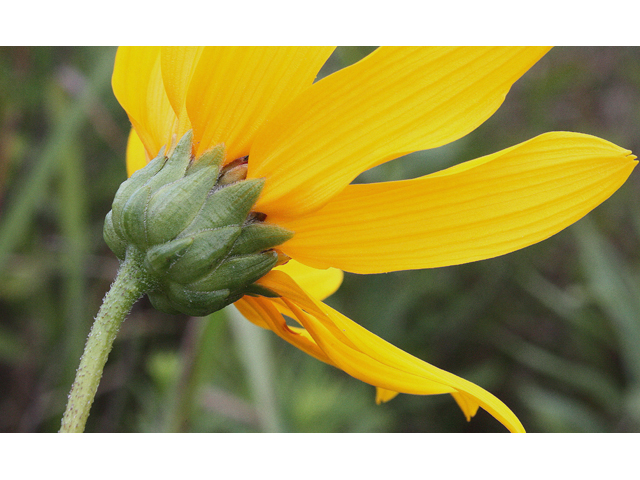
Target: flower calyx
191	224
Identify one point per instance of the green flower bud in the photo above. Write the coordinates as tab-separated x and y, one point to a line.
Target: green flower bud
191	225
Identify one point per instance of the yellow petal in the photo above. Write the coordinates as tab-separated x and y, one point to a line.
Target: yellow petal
467	404
479	209
383	395
281	283
136	156
299	304
319	283
395	101
137	84
370	359
178	65
234	90
381	364
367	357
247	307
262	312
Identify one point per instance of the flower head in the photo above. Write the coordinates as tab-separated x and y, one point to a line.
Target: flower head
305	142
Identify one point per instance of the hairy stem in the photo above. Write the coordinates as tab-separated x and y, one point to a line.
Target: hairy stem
129	285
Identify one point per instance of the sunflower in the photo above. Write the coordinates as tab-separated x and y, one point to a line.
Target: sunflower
306	142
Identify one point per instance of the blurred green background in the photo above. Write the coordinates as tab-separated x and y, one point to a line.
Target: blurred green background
553	330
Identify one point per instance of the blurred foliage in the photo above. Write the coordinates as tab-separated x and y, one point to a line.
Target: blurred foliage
553	330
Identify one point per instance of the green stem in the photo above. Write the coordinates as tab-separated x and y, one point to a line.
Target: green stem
129	285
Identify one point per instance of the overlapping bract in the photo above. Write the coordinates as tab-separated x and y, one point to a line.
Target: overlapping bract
191	227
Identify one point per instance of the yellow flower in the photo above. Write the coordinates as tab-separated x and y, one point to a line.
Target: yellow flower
310	140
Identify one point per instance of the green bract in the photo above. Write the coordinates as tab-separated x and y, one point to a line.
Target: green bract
191	226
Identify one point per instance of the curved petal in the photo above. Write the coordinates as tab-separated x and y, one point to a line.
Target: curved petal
367	357
178	65
263	313
247	307
395	101
136	155
234	90
138	86
320	283
479	209
383	395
